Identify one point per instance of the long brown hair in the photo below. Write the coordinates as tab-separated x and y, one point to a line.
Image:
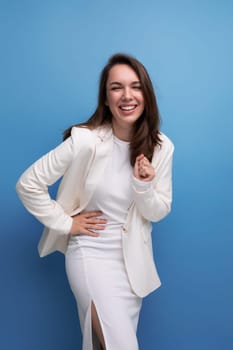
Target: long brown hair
146	128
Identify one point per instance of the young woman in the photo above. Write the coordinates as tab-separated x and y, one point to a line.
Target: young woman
116	178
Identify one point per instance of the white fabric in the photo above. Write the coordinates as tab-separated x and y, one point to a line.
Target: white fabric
96	273
141	186
114	194
81	161
95	265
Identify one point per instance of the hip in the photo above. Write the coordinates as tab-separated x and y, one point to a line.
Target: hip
107	245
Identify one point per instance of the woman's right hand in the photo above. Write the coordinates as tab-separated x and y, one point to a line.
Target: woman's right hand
85	222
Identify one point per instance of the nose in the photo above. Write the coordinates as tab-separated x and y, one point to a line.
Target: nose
127	95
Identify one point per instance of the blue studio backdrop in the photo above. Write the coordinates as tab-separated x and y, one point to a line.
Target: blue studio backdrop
51	56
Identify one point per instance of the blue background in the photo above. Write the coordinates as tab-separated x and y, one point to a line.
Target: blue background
51	56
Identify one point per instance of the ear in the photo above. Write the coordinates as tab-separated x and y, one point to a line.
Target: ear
106	102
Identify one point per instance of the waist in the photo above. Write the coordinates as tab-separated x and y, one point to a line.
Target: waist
105	246
110	233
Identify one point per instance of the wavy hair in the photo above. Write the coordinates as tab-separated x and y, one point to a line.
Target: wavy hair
145	134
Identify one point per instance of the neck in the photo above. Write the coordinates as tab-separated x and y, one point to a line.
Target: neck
122	133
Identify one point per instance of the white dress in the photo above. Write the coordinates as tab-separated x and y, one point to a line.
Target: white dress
95	265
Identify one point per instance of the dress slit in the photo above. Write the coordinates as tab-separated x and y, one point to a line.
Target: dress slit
98	344
98	278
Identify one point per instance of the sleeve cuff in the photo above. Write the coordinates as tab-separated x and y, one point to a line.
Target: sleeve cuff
141	186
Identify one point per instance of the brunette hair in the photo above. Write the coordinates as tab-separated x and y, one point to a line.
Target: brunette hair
146	128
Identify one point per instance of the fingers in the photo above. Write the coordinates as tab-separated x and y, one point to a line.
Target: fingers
139	158
94	220
84	223
94	227
143	165
91	214
143	169
90	218
142	161
87	233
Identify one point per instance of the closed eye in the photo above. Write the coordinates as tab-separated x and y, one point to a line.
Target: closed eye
137	87
115	88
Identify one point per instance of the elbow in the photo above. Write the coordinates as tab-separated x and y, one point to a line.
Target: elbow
23	188
19	187
21	191
160	214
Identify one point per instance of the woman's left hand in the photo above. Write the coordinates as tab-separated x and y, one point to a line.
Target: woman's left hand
143	169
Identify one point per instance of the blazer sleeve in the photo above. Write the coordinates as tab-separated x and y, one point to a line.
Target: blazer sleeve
32	187
153	200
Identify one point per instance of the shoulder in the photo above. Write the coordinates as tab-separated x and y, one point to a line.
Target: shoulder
84	138
166	142
86	134
80	132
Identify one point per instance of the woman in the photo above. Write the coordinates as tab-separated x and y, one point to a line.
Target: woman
116	171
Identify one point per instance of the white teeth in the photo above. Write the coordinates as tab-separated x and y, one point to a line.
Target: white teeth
127	108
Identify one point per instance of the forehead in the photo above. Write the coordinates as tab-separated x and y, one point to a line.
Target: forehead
122	73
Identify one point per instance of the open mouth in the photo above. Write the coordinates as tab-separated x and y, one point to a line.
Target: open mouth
128	108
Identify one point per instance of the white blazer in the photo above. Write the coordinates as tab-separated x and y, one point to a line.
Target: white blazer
81	160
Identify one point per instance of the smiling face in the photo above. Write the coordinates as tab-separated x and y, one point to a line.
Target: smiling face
124	98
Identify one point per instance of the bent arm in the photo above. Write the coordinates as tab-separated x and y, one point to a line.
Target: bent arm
153	199
32	187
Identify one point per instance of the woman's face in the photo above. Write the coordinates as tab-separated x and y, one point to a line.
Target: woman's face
124	96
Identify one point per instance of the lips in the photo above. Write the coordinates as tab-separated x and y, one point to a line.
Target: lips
128	107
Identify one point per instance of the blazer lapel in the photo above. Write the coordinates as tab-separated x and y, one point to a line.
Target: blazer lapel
102	153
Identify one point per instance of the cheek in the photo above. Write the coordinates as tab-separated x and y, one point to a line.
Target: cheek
142	102
142	99
139	96
110	101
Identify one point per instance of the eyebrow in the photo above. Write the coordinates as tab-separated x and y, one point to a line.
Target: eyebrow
118	83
